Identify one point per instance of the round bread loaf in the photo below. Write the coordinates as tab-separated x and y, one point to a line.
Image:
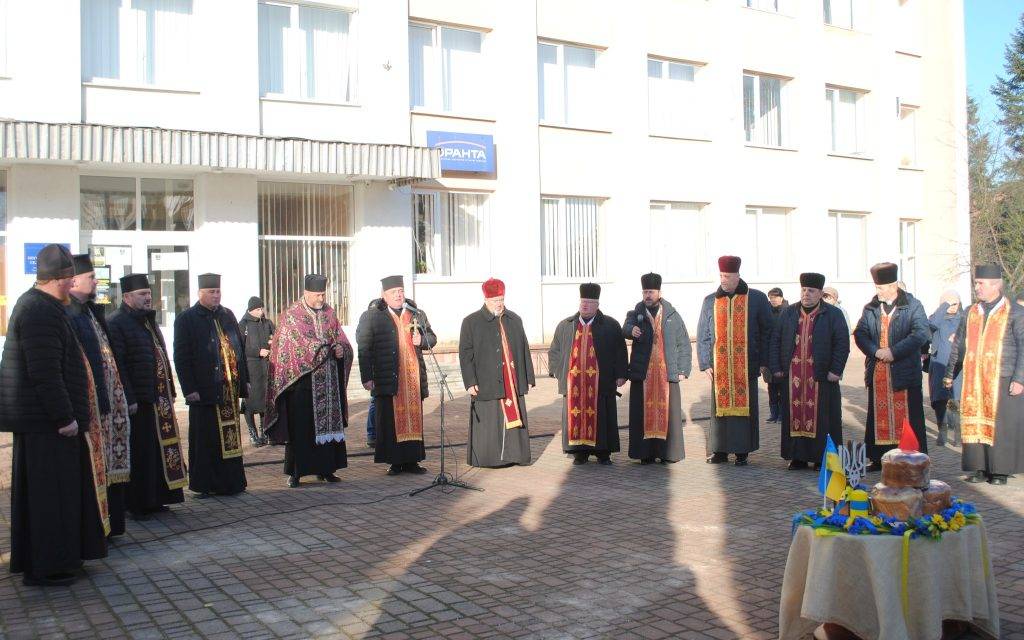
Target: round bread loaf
937	497
905	469
902	503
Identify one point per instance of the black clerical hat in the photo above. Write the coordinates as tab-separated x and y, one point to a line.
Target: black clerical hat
650	281
885	273
83	264
54	262
988	272
209	281
255	302
315	283
812	280
134	282
392	282
590	291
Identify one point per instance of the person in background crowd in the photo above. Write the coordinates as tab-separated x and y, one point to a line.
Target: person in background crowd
779	304
831	296
256	330
944	324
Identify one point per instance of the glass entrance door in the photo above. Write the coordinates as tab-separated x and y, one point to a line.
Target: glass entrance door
168	273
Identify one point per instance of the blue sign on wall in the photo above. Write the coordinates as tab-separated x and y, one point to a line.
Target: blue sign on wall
463	151
32	250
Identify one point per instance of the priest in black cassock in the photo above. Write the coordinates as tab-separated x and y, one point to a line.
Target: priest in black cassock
392	335
497	369
588	357
659	361
157	465
307	401
210	361
733	332
90	326
807	355
47	400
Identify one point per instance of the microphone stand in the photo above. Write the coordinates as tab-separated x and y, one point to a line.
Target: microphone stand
442	479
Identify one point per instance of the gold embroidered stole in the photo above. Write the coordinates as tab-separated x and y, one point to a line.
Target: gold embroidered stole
982	365
408	403
656	384
96	447
228	423
729	359
890	406
166	422
510	405
116	423
581	401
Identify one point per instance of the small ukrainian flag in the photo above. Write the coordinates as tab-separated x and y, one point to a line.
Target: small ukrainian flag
832	478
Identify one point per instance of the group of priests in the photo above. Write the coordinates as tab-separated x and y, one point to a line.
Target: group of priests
90	400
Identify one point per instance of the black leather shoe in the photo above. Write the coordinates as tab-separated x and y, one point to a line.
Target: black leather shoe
204	495
394	470
578	459
741	462
371	444
293	482
604	461
330	477
718	458
1000	480
796	465
415	468
976	477
646	460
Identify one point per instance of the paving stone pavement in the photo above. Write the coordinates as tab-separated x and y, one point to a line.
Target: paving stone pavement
688	550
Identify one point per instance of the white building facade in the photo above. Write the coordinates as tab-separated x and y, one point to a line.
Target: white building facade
547	143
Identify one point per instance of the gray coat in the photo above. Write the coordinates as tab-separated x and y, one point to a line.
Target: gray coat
760	323
678	360
1012	364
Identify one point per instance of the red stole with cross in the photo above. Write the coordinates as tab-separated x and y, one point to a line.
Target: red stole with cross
510	405
581	403
656	385
729	359
408	403
890	406
982	364
803	388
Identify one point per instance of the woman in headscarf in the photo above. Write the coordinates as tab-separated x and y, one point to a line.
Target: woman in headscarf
944	323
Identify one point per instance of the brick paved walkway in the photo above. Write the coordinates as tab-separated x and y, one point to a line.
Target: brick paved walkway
546	551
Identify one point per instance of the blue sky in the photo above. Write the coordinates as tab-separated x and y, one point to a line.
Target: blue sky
989	25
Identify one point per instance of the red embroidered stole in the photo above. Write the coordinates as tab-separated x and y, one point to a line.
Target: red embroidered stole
581	401
803	388
510	405
890	406
228	423
116	423
97	448
982	363
166	422
730	356
656	384
408	404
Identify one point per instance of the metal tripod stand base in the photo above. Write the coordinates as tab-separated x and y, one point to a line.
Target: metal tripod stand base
445	479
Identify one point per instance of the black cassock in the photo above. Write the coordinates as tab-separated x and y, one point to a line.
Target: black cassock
830	349
610	348
302	455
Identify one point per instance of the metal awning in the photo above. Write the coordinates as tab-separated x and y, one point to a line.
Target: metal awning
40	141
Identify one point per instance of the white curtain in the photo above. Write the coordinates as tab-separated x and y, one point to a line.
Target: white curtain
326	59
847	121
552	86
552	237
462	70
672	223
852	246
769	122
671	97
465	234
424	213
421	66
839	13
582	96
772	244
274	27
137	41
583	235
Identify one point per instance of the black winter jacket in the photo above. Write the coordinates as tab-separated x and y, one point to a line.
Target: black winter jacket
909	331
43	383
79	313
197	356
830	342
480	354
133	350
377	338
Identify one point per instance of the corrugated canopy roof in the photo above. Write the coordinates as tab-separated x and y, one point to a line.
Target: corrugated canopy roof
39	141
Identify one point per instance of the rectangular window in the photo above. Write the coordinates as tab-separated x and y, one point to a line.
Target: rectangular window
908	254
568	84
3	40
571	238
764	5
846	114
762	109
303	228
3	253
137	41
767	232
672	223
840	13
908	136
451	233
847	242
306	52
125	204
672	102
446	70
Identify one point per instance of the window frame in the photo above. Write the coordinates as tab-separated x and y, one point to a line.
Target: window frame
834	218
301	58
687	130
853	13
699	249
756	5
786	271
862	139
437	45
440	213
601	244
4	40
908	260
595	117
912	111
138	202
784	130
